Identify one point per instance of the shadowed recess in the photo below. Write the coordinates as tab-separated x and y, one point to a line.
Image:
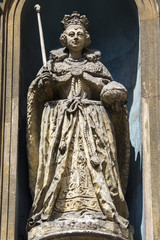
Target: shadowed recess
114	31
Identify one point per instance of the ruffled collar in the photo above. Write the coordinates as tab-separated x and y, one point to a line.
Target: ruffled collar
60	54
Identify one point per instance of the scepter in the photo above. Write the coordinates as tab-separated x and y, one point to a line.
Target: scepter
43	51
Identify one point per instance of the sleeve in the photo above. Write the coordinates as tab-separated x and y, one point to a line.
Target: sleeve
34	110
114	97
38	95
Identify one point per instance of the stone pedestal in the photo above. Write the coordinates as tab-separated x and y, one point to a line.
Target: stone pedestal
80	229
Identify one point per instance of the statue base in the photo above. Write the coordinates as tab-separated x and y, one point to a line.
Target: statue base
80	229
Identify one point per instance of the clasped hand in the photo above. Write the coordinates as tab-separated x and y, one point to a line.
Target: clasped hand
45	78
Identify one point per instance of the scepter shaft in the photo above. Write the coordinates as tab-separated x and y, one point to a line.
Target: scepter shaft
38	9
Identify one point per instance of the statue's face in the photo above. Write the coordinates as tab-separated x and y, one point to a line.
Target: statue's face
75	35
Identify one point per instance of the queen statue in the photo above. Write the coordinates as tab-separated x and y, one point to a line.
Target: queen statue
78	144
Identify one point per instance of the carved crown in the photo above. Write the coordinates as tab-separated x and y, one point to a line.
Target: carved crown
75	19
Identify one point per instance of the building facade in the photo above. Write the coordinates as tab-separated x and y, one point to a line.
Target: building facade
128	37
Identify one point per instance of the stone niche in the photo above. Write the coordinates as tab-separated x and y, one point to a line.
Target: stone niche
133	60
114	30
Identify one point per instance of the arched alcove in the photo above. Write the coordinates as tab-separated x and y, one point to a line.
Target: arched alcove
14	205
114	30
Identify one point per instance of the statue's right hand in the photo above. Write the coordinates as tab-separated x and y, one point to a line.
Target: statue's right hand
45	78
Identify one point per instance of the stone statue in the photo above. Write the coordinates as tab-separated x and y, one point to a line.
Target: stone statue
78	144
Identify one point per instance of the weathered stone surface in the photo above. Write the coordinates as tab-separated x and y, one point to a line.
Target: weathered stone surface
10	21
77	229
150	125
78	143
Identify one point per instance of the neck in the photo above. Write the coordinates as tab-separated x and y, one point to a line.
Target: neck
75	55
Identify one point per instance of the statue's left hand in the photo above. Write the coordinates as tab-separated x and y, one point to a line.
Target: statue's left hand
115	95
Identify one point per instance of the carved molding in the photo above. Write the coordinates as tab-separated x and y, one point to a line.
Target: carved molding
9	106
9	111
148	9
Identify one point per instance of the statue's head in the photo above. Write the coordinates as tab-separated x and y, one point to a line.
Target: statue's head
75	36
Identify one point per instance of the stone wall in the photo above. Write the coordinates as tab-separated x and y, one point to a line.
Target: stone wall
11	116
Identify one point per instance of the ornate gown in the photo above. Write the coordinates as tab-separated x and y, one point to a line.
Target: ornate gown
78	146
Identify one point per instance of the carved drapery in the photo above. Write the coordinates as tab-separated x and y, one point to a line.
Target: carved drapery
9	97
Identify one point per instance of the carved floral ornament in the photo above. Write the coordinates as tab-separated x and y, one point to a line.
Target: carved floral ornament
75	19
